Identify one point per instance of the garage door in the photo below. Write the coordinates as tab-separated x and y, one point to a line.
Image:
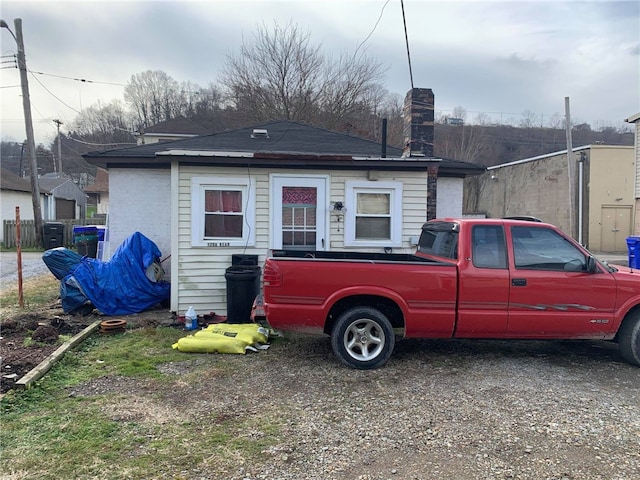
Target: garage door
65	209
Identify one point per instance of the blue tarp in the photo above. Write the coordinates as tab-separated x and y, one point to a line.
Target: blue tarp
121	286
117	287
61	261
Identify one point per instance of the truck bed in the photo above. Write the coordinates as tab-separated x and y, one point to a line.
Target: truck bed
353	256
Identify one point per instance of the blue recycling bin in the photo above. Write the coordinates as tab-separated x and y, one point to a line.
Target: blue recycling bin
633	245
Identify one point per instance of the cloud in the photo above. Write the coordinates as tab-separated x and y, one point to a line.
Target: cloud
487	56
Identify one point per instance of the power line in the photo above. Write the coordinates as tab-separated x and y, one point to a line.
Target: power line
374	28
406	38
54	96
83	80
99	144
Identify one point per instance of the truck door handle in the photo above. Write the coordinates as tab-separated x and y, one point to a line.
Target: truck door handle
519	282
322	240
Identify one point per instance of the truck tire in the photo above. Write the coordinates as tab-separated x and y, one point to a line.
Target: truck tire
363	338
629	338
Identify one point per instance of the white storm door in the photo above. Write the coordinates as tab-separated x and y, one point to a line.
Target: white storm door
299	212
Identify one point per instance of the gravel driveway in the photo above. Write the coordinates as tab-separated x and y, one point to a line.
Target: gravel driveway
438	410
32	266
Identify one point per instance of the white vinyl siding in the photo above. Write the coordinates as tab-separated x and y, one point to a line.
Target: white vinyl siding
199	276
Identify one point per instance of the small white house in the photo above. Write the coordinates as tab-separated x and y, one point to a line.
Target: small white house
278	185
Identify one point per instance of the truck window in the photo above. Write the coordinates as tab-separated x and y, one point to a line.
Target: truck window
545	249
488	247
440	239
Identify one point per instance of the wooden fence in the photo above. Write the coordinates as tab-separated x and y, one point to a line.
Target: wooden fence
28	231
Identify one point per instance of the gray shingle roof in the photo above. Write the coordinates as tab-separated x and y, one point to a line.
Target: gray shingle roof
283	137
11	181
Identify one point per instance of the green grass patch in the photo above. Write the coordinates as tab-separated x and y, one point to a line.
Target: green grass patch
73	438
49	434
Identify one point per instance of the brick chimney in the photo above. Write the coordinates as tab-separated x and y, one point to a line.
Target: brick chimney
419	136
418	123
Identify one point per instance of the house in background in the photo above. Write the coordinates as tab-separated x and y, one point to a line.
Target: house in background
635	119
277	185
594	202
63	200
60	198
170	130
15	192
98	195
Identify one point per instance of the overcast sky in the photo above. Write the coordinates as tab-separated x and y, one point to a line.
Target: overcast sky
501	58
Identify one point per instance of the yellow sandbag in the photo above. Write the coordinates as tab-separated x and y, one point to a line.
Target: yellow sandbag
246	337
213	343
251	332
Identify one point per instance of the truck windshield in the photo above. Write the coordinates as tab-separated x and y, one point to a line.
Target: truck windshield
440	239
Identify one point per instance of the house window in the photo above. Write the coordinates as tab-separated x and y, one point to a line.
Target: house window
222	212
373	214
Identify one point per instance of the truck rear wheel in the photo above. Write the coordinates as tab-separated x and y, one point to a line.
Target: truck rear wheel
629	338
362	338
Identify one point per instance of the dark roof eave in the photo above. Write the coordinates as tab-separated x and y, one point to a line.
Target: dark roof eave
339	162
333	162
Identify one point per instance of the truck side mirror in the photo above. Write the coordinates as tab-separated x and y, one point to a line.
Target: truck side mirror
591	265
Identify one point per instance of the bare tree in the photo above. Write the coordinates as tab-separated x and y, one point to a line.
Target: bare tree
556	121
529	119
154	97
392	109
482	119
281	75
459	112
109	123
462	143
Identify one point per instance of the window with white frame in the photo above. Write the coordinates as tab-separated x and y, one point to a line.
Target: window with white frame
222	212
373	214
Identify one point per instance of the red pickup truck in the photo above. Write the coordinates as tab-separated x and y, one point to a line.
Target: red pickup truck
469	278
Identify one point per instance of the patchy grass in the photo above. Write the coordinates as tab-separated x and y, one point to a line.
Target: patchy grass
48	433
141	430
37	292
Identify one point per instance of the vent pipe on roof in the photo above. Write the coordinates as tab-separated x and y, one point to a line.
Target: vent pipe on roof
384	138
260	133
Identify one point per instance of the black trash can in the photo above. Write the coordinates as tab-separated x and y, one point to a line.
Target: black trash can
53	235
243	286
633	245
243	259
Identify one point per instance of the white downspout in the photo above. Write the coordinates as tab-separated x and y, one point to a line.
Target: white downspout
580	195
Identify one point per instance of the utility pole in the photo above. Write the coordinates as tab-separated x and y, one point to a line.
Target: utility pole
59	162
28	122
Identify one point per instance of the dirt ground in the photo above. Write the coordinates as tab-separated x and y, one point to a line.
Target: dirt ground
27	339
440	409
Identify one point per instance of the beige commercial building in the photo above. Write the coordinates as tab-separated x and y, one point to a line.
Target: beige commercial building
635	119
591	195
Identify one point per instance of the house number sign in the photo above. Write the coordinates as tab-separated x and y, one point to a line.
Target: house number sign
218	244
